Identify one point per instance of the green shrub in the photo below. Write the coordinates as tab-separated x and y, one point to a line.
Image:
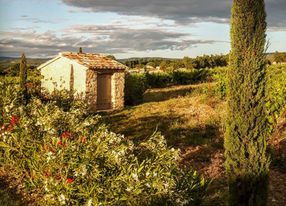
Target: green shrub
135	86
165	79
276	92
190	77
159	80
219	75
275	89
68	158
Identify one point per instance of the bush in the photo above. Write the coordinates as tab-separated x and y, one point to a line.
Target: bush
67	157
276	92
190	77
219	75
159	80
135	86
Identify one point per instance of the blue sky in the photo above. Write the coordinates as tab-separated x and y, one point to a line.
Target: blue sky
129	28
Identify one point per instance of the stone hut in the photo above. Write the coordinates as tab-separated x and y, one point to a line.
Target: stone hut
95	78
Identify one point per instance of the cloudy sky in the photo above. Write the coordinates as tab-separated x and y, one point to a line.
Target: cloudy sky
126	28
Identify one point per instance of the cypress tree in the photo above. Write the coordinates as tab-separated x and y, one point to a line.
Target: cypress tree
23	75
247	163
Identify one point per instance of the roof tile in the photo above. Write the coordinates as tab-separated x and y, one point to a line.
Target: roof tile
94	61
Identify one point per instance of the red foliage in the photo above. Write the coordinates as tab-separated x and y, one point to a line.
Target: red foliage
14	120
83	139
59	143
66	135
69	180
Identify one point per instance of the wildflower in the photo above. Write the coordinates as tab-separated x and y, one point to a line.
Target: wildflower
69	180
62	199
29	85
89	202
66	135
134	176
129	189
50	156
59	143
14	120
46	174
83	139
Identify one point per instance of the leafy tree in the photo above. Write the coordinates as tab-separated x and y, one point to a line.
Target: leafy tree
111	57
187	61
163	65
23	75
247	163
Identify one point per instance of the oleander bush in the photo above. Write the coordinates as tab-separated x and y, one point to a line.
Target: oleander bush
65	157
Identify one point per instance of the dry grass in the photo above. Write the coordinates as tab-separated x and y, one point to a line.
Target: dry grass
181	115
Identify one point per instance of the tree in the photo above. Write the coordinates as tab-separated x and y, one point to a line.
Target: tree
188	63
247	163
23	76
163	65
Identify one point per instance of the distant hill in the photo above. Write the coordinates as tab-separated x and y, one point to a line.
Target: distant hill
7	61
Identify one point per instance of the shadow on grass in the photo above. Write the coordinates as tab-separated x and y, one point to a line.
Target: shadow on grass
172	128
8	195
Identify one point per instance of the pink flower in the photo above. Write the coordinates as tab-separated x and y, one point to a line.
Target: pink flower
69	180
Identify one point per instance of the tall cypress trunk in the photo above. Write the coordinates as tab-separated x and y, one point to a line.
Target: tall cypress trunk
247	163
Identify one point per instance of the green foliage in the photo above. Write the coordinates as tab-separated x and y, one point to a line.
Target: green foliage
135	86
276	93
220	77
200	62
190	77
68	158
275	90
247	164
158	80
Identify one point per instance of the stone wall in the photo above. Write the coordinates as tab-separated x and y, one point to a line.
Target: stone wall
117	89
117	92
91	88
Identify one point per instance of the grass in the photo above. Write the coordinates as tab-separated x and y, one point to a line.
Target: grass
185	115
190	117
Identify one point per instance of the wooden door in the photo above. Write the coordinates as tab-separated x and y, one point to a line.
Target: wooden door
104	91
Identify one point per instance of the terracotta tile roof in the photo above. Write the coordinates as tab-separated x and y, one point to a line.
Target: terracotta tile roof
94	61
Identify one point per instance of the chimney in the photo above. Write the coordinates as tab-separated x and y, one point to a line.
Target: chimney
80	50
